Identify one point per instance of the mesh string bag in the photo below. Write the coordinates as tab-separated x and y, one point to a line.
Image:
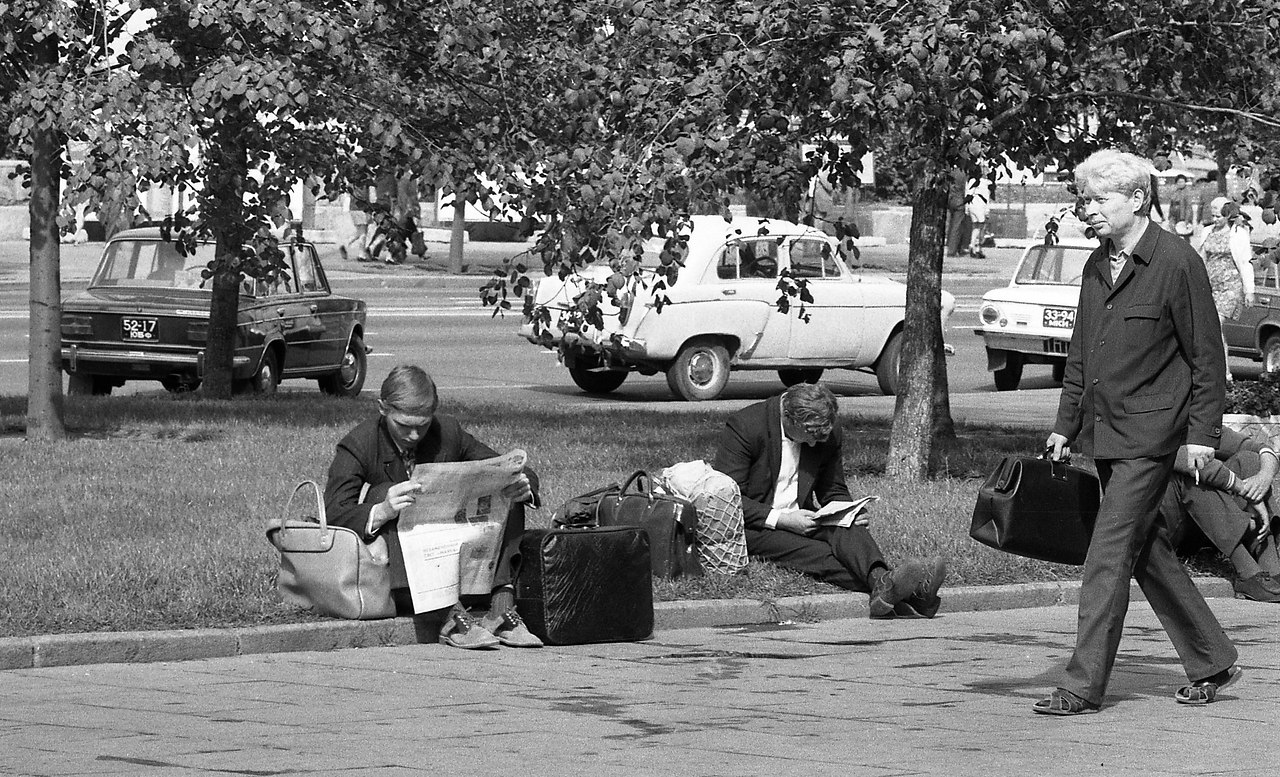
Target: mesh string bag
722	542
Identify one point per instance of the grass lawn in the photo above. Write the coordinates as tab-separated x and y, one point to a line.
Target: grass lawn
154	514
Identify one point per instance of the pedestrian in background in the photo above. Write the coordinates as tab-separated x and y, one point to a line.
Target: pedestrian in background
976	203
1144	375
1226	252
1182	208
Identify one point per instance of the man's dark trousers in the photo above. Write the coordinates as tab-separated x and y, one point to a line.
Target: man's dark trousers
819	554
1129	540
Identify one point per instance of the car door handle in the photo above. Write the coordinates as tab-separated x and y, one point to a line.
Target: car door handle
728	292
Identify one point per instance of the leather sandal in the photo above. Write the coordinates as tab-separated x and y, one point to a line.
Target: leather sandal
1206	691
1062	702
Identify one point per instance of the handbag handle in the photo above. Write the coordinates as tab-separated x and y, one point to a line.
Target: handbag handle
644	484
324	521
1057	467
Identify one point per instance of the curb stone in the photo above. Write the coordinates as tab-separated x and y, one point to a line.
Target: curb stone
184	645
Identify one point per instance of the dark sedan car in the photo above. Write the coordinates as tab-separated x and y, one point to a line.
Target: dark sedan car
1256	333
145	316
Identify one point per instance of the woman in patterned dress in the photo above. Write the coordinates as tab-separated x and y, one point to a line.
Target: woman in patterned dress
1225	248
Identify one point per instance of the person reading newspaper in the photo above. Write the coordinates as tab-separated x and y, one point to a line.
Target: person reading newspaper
371	483
786	456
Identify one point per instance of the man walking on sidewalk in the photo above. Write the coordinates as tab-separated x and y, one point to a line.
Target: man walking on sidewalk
1145	374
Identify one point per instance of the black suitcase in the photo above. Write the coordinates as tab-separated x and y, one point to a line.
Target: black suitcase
578	586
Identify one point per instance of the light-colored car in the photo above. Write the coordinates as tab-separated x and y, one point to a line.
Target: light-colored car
722	314
145	316
1030	321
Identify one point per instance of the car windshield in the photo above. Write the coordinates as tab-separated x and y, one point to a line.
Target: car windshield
150	264
1058	265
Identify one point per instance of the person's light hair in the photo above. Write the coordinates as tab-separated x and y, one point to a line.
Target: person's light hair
812	407
1110	170
410	390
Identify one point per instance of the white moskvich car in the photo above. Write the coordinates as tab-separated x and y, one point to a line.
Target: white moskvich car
722	314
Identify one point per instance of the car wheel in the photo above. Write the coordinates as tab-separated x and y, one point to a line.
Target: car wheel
264	381
701	370
597	382
180	384
82	384
1271	354
349	379
1059	371
888	364
1008	377
792	377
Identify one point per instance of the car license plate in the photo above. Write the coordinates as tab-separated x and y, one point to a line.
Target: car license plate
138	329
1059	318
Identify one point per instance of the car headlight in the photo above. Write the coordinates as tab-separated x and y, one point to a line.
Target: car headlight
989	313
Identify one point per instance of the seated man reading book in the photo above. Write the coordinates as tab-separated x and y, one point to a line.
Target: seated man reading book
785	455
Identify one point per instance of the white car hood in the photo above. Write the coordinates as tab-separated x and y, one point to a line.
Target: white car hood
1036	294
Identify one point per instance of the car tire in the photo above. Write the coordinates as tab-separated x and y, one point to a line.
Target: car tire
179	384
265	380
888	365
802	375
701	370
1008	377
598	382
83	384
349	379
1271	354
1059	371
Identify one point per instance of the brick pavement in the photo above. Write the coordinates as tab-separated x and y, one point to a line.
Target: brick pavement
845	697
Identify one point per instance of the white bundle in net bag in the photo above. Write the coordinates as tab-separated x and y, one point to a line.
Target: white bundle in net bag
722	542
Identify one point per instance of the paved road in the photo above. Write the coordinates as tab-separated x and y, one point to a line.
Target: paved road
848	697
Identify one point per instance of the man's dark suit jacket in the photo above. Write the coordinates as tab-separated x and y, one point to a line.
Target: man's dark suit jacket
1145	372
750	452
367	455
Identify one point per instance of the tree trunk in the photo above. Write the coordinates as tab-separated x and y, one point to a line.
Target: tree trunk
923	410
44	364
228	167
459	231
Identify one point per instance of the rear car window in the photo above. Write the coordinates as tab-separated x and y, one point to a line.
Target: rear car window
149	264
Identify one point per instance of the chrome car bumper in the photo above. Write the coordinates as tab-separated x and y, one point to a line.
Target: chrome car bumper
73	355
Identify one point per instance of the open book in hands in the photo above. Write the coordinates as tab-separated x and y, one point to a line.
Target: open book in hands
843	514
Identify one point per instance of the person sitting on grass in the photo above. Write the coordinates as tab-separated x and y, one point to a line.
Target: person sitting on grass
369	484
785	455
1227	500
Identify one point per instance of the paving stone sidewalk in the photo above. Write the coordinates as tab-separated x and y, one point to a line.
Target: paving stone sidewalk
849	697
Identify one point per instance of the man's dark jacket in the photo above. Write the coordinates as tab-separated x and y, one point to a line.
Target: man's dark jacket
750	452
1146	371
368	455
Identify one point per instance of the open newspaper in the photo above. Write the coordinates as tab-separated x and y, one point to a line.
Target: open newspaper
843	514
451	536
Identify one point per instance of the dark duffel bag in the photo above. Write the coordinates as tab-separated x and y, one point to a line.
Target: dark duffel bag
586	585
1038	508
671	521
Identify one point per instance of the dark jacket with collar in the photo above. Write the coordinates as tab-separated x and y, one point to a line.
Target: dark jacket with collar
367	455
750	452
1145	372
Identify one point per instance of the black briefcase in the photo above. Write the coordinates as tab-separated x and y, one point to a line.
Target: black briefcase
671	521
1038	508
586	585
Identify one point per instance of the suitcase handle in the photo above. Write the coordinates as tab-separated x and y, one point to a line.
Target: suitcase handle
644	484
1057	468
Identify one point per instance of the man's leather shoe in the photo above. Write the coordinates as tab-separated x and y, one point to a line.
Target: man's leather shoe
895	586
510	630
1260	588
924	601
461	630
